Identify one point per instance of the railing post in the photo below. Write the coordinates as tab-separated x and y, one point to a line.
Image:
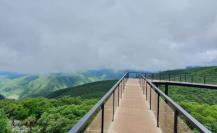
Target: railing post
102	119
118	95
122	86
143	87
158	108
150	98
146	90
121	90
166	89
176	114
113	110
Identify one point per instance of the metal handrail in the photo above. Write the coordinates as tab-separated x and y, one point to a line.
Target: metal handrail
177	108
82	123
186	77
185	84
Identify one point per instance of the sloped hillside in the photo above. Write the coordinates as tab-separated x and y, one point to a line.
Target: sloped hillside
17	86
200	103
196	71
90	90
58	113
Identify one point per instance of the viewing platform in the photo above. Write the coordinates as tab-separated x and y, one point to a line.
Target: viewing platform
135	104
133	114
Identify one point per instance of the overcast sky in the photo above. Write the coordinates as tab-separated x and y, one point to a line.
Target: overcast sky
74	35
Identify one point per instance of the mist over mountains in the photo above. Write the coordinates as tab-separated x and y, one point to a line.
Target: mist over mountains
15	85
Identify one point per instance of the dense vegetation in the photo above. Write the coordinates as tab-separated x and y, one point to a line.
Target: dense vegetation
61	109
43	115
200	103
204	113
1	97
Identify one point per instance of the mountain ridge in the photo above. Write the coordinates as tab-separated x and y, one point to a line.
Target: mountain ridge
26	85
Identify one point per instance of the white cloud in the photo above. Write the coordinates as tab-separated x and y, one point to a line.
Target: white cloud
62	36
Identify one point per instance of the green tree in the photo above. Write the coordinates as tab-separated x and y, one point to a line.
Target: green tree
37	106
53	123
4	123
21	113
30	122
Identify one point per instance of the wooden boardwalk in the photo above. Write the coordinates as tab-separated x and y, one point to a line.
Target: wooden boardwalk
133	114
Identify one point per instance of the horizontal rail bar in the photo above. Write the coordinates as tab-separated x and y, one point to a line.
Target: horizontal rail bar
80	126
178	108
185	84
82	123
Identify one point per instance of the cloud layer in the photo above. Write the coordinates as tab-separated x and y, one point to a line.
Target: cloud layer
66	35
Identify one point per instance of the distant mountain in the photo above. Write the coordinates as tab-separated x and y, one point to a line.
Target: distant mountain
24	85
105	73
90	90
10	75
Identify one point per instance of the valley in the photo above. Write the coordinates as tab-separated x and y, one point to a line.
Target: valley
44	108
18	86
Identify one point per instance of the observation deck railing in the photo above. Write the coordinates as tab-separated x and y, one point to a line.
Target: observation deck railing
170	117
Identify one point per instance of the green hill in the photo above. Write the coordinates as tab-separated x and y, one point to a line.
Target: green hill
200	103
40	84
90	90
196	71
62	108
43	84
197	74
57	113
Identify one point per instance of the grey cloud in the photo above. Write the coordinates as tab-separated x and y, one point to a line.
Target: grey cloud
62	36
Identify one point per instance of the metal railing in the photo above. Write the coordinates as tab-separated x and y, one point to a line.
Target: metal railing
102	114
183	77
171	117
174	117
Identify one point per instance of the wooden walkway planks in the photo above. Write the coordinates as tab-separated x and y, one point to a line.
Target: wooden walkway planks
133	114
